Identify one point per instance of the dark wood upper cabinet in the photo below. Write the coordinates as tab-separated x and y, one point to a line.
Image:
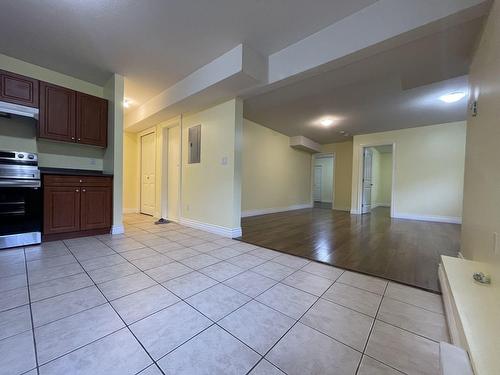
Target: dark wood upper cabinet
18	89
65	115
57	113
91	120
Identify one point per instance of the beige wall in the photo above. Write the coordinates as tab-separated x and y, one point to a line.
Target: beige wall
429	170
131	176
343	173
19	134
211	190
482	172
274	175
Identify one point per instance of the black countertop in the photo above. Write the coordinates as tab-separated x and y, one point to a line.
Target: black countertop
74	172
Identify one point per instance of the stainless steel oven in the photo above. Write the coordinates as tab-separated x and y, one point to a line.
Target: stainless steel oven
20	199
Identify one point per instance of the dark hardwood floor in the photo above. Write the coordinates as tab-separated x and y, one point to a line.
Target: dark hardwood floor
406	251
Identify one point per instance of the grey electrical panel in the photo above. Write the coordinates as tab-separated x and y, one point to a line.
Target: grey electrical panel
194	141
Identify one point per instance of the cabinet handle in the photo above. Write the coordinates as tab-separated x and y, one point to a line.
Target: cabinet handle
72	138
81	180
78	139
83	190
77	190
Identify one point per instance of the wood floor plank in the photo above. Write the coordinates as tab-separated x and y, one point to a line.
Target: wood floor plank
406	251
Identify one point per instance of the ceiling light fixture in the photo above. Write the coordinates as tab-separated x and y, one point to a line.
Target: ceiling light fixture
452	97
326	122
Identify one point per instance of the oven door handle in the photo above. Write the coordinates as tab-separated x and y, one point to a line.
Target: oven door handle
20	183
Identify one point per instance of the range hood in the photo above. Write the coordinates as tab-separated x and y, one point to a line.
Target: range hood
19	110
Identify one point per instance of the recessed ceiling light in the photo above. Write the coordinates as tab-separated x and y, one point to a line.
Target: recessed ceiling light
452	97
326	122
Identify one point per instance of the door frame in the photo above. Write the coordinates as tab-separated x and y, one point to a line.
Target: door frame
361	159
142	134
163	128
313	164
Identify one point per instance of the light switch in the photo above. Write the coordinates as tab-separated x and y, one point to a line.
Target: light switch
224	160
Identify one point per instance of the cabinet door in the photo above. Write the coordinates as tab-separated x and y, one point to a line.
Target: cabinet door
61	209
18	89
91	120
95	207
57	113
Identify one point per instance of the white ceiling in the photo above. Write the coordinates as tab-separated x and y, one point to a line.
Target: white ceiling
154	43
392	90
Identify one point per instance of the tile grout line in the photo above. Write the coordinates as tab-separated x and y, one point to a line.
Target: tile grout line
31	313
223	283
293	325
120	317
371	329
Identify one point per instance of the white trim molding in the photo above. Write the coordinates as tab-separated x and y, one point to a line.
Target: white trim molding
439	219
347	209
117	229
212	228
375	205
265	211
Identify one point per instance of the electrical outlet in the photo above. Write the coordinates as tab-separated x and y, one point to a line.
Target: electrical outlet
224	160
496	243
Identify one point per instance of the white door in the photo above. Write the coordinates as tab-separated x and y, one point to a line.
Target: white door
318	176
366	204
173	172
148	177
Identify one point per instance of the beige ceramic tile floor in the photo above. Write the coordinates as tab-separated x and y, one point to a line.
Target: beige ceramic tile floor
175	300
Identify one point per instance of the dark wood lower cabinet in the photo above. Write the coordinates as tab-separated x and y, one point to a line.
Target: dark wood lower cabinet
61	209
76	206
95	210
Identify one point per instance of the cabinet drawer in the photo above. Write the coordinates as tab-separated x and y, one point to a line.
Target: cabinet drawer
63	180
60	180
95	181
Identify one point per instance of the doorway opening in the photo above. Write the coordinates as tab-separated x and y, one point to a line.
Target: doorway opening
377	176
148	174
323	181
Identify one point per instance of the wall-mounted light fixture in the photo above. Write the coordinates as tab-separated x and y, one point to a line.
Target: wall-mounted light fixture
452	97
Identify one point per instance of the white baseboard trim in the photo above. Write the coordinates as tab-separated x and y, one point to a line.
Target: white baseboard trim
355	212
374	205
342	209
265	211
130	210
439	219
117	229
212	228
